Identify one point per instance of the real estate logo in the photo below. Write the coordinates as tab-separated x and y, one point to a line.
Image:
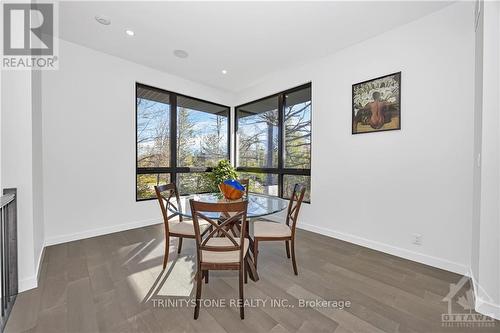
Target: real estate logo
461	304
28	36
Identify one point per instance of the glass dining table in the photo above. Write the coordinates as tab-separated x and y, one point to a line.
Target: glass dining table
259	205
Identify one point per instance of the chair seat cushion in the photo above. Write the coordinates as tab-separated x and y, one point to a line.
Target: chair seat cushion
271	229
223	257
186	227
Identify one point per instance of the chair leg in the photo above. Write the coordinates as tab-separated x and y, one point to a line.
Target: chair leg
179	246
294	262
199	277
206	276
242	308
165	256
287	246
245	267
255	251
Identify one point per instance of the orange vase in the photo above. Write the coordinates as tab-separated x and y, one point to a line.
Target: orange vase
230	192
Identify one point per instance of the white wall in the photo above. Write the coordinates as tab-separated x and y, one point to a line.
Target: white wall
17	164
486	255
478	123
378	189
89	142
37	167
21	164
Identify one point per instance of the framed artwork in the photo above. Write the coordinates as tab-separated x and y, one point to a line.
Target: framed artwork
376	104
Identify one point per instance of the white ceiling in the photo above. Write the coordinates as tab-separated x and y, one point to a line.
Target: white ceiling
248	39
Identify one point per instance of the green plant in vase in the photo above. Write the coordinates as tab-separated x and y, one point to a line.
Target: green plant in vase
221	172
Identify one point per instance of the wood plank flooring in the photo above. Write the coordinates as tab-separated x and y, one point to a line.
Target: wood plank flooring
115	283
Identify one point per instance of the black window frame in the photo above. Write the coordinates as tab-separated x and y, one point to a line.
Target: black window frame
280	170
173	169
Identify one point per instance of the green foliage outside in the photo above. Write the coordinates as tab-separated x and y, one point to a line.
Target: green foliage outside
147	182
221	172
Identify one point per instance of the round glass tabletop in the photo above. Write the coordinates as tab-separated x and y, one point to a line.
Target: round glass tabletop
258	204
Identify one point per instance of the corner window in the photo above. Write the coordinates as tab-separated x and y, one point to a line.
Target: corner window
178	139
273	142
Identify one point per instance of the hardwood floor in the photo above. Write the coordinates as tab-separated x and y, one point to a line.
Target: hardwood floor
115	283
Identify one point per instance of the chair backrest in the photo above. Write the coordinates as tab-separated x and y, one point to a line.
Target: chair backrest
230	212
168	198
296	198
246	183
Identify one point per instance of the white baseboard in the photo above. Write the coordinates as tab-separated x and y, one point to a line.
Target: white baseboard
27	283
32	281
393	250
483	307
39	264
99	232
487	308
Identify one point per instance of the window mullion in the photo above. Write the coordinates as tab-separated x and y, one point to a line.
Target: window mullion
281	139
173	137
230	124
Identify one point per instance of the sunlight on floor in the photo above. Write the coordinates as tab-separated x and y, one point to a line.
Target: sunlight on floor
141	253
178	278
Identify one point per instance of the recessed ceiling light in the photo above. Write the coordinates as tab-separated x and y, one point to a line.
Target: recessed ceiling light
181	54
224	71
129	32
103	19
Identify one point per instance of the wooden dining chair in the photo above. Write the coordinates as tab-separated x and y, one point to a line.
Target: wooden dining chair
216	252
272	231
175	224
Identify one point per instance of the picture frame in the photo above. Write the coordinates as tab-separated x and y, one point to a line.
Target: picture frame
376	104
